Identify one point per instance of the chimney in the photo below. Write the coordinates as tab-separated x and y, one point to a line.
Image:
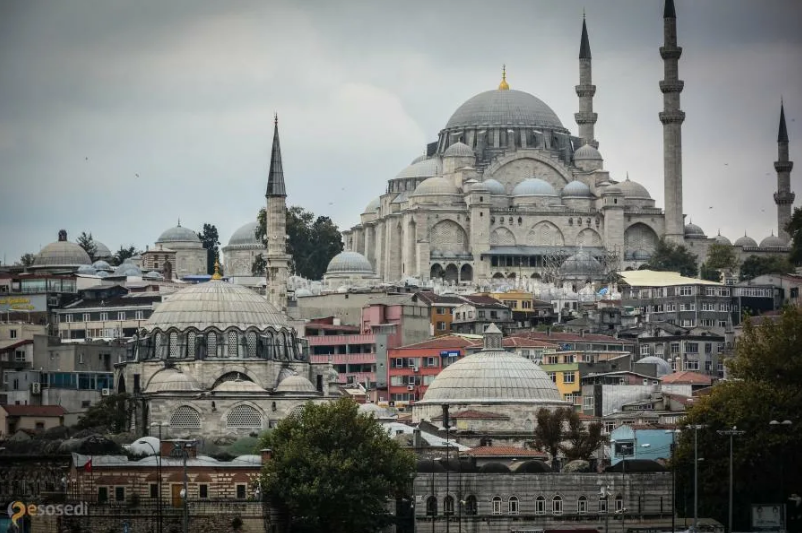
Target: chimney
267	455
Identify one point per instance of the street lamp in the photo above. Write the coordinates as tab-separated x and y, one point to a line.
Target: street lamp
159	474
696	428
673	433
731	433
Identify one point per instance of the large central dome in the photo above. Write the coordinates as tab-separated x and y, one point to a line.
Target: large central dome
502	109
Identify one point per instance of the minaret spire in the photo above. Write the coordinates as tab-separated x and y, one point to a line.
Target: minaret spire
503	86
784	198
276	221
672	118
586	118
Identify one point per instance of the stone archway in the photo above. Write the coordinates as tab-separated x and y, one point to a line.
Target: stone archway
452	273
466	273
437	271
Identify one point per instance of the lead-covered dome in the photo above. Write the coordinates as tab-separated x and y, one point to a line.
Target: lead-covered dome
171	380
62	254
504	108
459	149
661	365
494	186
634	190
587	153
534	187
721	239
422	169
215	304
577	188
295	384
581	263
178	234
373	205
102	251
745	242
692	231
245	237
350	263
435	186
772	241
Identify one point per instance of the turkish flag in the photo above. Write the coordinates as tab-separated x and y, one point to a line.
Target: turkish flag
88	465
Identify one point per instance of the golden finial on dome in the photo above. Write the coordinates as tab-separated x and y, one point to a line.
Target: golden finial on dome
216	276
503	86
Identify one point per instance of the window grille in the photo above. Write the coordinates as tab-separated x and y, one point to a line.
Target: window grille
173	344
191	344
244	416
185	418
211	344
251	344
232	343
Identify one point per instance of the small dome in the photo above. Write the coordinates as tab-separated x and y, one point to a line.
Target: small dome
245	237
238	385
435	186
295	384
87	269
495	187
494	468
102	274
373	205
692	231
534	187
577	188
144	446
721	239
663	368
533	467
171	380
772	241
612	190
178	234
154	275
746	242
102	265
422	169
459	149
62	253
587	153
102	251
127	268
634	190
349	262
581	264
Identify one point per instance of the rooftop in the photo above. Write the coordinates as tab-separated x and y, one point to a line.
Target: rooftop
471	414
34	410
687	376
652	278
504	451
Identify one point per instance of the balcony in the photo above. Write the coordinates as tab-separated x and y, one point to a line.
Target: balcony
345	358
338	340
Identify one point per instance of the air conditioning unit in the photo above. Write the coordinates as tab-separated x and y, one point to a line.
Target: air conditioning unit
36	388
105	392
410	387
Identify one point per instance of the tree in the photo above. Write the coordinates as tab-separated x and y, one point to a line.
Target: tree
26	260
259	265
86	242
582	441
765	375
670	257
122	254
794	229
333	469
211	240
311	243
709	273
549	430
719	257
754	266
112	413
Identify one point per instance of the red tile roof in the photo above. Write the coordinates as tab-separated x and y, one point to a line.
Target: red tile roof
444	341
479	299
475	415
521	342
34	410
572	337
504	451
686	376
684	400
432	298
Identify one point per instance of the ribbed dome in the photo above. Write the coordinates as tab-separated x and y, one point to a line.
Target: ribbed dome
245	237
435	186
102	251
633	189
721	239
171	380
694	231
577	188
102	265
459	149
581	263
422	169
373	205
534	187
295	384
772	241
62	253
218	304
238	385
663	368
178	234
507	108
745	242
587	153
349	262
495	187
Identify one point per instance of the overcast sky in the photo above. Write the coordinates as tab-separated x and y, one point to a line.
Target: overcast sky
182	94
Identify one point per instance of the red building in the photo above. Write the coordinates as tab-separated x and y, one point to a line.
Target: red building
352	352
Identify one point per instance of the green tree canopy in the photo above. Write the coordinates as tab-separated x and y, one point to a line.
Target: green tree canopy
86	242
794	229
27	259
112	413
312	241
562	430
333	469
122	254
754	266
211	240
670	257
719	257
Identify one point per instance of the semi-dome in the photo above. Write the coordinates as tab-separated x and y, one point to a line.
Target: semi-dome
492	376
295	384
772	241
581	263
349	262
435	186
502	109
373	205
102	265
587	153
238	385
721	239
422	169
577	188
534	187
245	237
494	186
171	380
62	253
694	232
745	242
663	368
634	190
178	234
611	190
459	149
215	304
102	251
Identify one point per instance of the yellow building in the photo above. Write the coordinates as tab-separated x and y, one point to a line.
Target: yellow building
563	369
526	309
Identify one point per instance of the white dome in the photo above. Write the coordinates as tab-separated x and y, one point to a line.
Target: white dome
494	186
238	385
422	169
349	262
534	187
178	234
102	251
127	268
144	446
587	153
218	304
577	188
171	380
295	384
459	149
581	263
62	253
663	368
373	205
634	190
435	186
102	265
87	269
772	241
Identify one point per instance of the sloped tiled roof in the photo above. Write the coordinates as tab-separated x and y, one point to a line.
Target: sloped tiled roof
504	451
433	298
444	341
34	410
572	337
687	376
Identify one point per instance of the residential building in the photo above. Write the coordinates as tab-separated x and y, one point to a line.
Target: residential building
696	349
351	352
656	409
442	308
32	297
605	393
527	311
35	418
752	299
563	370
478	312
641	442
16	349
679	382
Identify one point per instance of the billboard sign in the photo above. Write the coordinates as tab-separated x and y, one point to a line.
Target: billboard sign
34	303
449	353
767	516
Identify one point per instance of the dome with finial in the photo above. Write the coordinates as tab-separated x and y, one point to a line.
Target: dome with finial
772	241
459	149
721	239
504	86
745	242
692	231
634	190
178	234
61	254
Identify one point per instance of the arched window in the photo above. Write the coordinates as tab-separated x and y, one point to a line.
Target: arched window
582	505
280	345
289	345
431	506
160	345
244	417
191	340
602	505
185	418
471	507
211	344
231	344
270	352
540	505
619	503
512	505
173	345
497	503
251	344
557	506
448	505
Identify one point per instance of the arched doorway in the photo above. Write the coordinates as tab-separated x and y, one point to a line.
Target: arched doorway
436	272
452	274
466	273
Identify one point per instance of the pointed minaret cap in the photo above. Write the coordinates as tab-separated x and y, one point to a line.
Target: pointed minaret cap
782	135
275	179
503	86
493	338
584	44
216	276
668	11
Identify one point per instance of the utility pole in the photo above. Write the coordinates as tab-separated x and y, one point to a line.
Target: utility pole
695	428
446	423
731	433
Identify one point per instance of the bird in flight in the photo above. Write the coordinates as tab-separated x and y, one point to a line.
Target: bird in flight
137	175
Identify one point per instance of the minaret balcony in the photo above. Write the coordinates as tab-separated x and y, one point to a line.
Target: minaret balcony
671	86
585	117
670	52
585	90
783	166
672	117
784	197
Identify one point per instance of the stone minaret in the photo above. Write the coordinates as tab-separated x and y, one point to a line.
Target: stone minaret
784	198
672	118
277	258
586	118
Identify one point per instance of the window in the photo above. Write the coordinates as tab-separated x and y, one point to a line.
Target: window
602	505
240	491
102	494
13	333
692	347
567	359
154	490
104	317
707	322
431	506
644	349
497	505
686	291
707	306
85	317
688	307
513	505
185	417
139	315
203	491
722	323
244	417
441	326
724	308
540	505
553	376
19	356
674	347
119	494
691	365
557	506
619	503
587	402
448	505
687	323
582	505
68	318
471	508
568	377
552	360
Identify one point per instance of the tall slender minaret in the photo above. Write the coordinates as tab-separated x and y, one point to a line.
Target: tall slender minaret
277	258
784	198
672	118
586	118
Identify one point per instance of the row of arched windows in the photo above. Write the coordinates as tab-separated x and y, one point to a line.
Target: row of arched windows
186	418
556	506
232	343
